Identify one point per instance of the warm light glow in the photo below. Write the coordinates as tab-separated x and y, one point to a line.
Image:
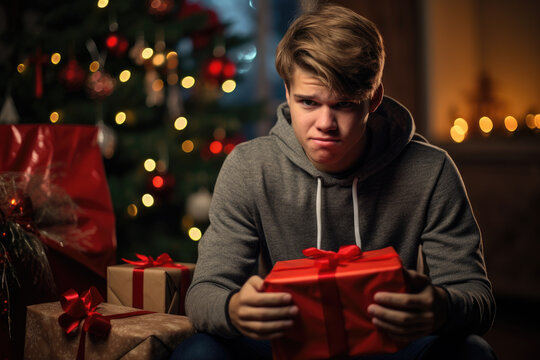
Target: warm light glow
228	86
147	200
13	202
537	121
55	58
486	125
149	165
20	68
94	66
157	85
180	123
462	124
157	182
102	3
510	123
188	146
195	234
125	75
132	210
172	79
171	54
457	134
147	53
529	120
172	60
120	117
188	82
187	221
54	117
158	59
216	147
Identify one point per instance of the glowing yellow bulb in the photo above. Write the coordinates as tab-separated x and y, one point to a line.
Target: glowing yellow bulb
102	3
157	85
54	117
195	234
20	68
228	86
462	124
120	117
457	134
147	200
180	123
188	146
486	125
55	58
537	120
124	76
132	210
188	82
510	123
149	165
158	59
147	53
94	66
529	120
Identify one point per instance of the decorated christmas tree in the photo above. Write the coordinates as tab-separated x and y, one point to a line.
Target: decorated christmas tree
152	75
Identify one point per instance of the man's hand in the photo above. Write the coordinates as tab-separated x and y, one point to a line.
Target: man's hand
412	315
261	315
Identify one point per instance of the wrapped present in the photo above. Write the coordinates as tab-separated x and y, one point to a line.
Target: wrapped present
158	285
80	327
67	157
332	291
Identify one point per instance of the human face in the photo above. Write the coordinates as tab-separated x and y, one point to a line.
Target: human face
330	128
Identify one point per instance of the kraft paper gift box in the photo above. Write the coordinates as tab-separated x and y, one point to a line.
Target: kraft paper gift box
332	291
148	336
156	285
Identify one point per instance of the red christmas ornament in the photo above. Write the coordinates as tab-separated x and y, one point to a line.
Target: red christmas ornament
219	69
160	7
72	76
161	185
100	85
116	44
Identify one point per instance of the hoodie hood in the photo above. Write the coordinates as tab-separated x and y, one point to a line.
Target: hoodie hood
389	129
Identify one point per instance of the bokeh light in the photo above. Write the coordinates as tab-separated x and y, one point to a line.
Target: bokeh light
149	165
195	233
486	125
180	123
188	146
188	82
125	75
147	200
228	86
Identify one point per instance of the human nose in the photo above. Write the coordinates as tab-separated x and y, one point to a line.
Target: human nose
326	120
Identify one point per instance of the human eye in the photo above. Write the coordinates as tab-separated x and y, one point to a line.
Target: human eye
344	105
308	102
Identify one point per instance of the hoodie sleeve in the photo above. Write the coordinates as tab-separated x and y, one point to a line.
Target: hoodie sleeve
227	253
453	251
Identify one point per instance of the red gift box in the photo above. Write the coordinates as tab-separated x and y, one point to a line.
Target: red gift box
332	291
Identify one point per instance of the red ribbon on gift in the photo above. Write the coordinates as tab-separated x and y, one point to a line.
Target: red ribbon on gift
83	308
327	261
163	260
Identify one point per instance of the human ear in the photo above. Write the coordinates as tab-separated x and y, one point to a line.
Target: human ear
287	92
376	99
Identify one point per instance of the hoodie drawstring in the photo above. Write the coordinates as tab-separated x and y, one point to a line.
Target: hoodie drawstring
318	205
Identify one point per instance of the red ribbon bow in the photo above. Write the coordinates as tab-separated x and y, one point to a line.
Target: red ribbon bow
163	260
331	259
79	309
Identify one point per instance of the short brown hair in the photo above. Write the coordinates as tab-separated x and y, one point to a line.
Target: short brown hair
340	47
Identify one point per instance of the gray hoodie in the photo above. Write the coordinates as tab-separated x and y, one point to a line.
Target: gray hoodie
270	203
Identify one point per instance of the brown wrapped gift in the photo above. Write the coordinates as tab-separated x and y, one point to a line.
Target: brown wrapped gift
160	288
149	336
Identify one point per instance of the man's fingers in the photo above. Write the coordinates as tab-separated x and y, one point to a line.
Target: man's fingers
404	301
401	318
247	313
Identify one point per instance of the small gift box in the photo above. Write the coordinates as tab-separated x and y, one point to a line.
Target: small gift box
332	291
80	327
158	285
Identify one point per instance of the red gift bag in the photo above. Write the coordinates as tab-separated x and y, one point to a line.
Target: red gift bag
69	157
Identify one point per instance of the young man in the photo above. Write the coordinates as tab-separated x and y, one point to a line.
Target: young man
342	165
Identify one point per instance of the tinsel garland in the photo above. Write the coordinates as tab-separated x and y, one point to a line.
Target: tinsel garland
31	208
